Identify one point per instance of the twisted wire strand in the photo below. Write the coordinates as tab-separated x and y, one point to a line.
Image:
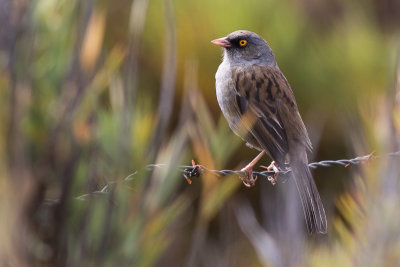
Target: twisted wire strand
195	171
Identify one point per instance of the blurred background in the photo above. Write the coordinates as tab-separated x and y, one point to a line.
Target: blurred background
94	91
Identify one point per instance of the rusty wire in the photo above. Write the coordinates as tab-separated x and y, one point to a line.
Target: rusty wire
195	171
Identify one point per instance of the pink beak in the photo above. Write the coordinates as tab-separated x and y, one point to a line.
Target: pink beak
222	42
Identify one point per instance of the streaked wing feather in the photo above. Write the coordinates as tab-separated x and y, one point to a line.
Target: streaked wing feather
255	95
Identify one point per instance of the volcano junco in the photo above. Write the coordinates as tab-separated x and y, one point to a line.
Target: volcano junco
259	105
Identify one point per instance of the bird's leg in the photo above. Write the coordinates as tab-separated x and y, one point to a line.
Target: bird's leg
273	167
248	179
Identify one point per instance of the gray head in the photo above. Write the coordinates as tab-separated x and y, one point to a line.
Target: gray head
245	47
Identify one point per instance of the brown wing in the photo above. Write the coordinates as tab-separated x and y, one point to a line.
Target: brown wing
264	93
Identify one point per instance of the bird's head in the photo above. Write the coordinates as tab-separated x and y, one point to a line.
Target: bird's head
245	47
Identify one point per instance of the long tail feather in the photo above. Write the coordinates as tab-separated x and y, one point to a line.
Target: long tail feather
312	205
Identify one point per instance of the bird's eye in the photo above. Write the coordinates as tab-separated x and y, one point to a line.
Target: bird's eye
242	43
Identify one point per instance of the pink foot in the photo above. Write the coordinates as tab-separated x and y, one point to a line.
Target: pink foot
273	167
248	180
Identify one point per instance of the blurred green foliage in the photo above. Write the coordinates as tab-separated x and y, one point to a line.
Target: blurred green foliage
80	86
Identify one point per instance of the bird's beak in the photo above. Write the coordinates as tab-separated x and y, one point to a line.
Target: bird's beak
222	42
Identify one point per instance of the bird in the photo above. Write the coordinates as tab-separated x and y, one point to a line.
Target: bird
259	106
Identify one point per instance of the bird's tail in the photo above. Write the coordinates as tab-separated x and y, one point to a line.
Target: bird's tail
312	205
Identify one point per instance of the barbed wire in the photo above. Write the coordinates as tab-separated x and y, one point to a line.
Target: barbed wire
196	170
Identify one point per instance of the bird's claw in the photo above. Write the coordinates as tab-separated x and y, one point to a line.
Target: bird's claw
248	179
273	167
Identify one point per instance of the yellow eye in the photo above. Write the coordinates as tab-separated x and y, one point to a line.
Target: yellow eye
242	43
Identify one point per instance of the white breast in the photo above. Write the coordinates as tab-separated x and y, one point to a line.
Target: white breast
226	93
223	85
